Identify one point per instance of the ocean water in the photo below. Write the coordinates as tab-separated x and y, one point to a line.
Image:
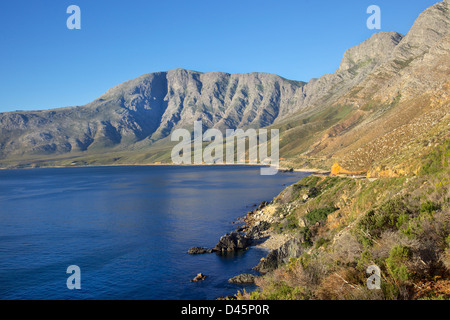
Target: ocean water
128	228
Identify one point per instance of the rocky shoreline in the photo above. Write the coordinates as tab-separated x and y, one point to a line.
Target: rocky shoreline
255	230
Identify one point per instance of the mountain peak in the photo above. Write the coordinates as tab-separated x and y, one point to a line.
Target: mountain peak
377	48
430	27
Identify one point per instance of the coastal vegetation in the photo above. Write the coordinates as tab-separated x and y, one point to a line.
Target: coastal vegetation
344	225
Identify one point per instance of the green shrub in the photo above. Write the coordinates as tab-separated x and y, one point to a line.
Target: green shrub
319	214
305	235
322	242
412	228
291	222
277	291
429	207
389	216
364	260
402	219
396	263
305	259
288	224
437	160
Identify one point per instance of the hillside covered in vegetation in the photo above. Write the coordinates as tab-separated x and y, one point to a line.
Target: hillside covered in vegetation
339	226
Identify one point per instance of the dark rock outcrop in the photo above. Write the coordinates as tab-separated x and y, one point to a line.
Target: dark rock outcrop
255	232
291	249
262	205
245	278
199	277
232	242
199	250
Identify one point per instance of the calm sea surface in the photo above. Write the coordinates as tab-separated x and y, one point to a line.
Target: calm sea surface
127	228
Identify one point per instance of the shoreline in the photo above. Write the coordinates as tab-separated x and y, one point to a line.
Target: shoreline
263	212
280	169
253	230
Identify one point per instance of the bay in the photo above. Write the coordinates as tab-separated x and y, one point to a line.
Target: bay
128	228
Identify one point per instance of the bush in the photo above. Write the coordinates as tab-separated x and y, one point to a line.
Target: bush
290	223
429	207
346	249
282	291
274	291
437	160
390	216
319	214
396	263
322	242
305	235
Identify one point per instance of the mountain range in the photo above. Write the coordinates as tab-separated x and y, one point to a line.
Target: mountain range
386	103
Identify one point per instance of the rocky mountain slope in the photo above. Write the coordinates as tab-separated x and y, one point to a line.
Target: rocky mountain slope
146	109
334	229
394	112
394	125
386	101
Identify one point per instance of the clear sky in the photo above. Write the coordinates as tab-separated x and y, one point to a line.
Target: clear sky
45	65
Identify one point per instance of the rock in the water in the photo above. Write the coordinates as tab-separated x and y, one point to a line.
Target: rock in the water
232	242
245	278
199	277
198	250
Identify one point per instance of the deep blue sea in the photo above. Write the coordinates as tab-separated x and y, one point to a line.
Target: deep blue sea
128	228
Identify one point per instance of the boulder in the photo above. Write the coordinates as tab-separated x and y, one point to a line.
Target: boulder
245	278
199	277
255	232
232	242
262	205
198	250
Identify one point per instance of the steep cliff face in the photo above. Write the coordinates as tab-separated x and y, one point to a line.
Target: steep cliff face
357	64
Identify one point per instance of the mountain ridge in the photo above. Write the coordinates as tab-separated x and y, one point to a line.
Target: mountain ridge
332	118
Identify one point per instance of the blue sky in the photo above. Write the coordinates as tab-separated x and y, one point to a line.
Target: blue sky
45	65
